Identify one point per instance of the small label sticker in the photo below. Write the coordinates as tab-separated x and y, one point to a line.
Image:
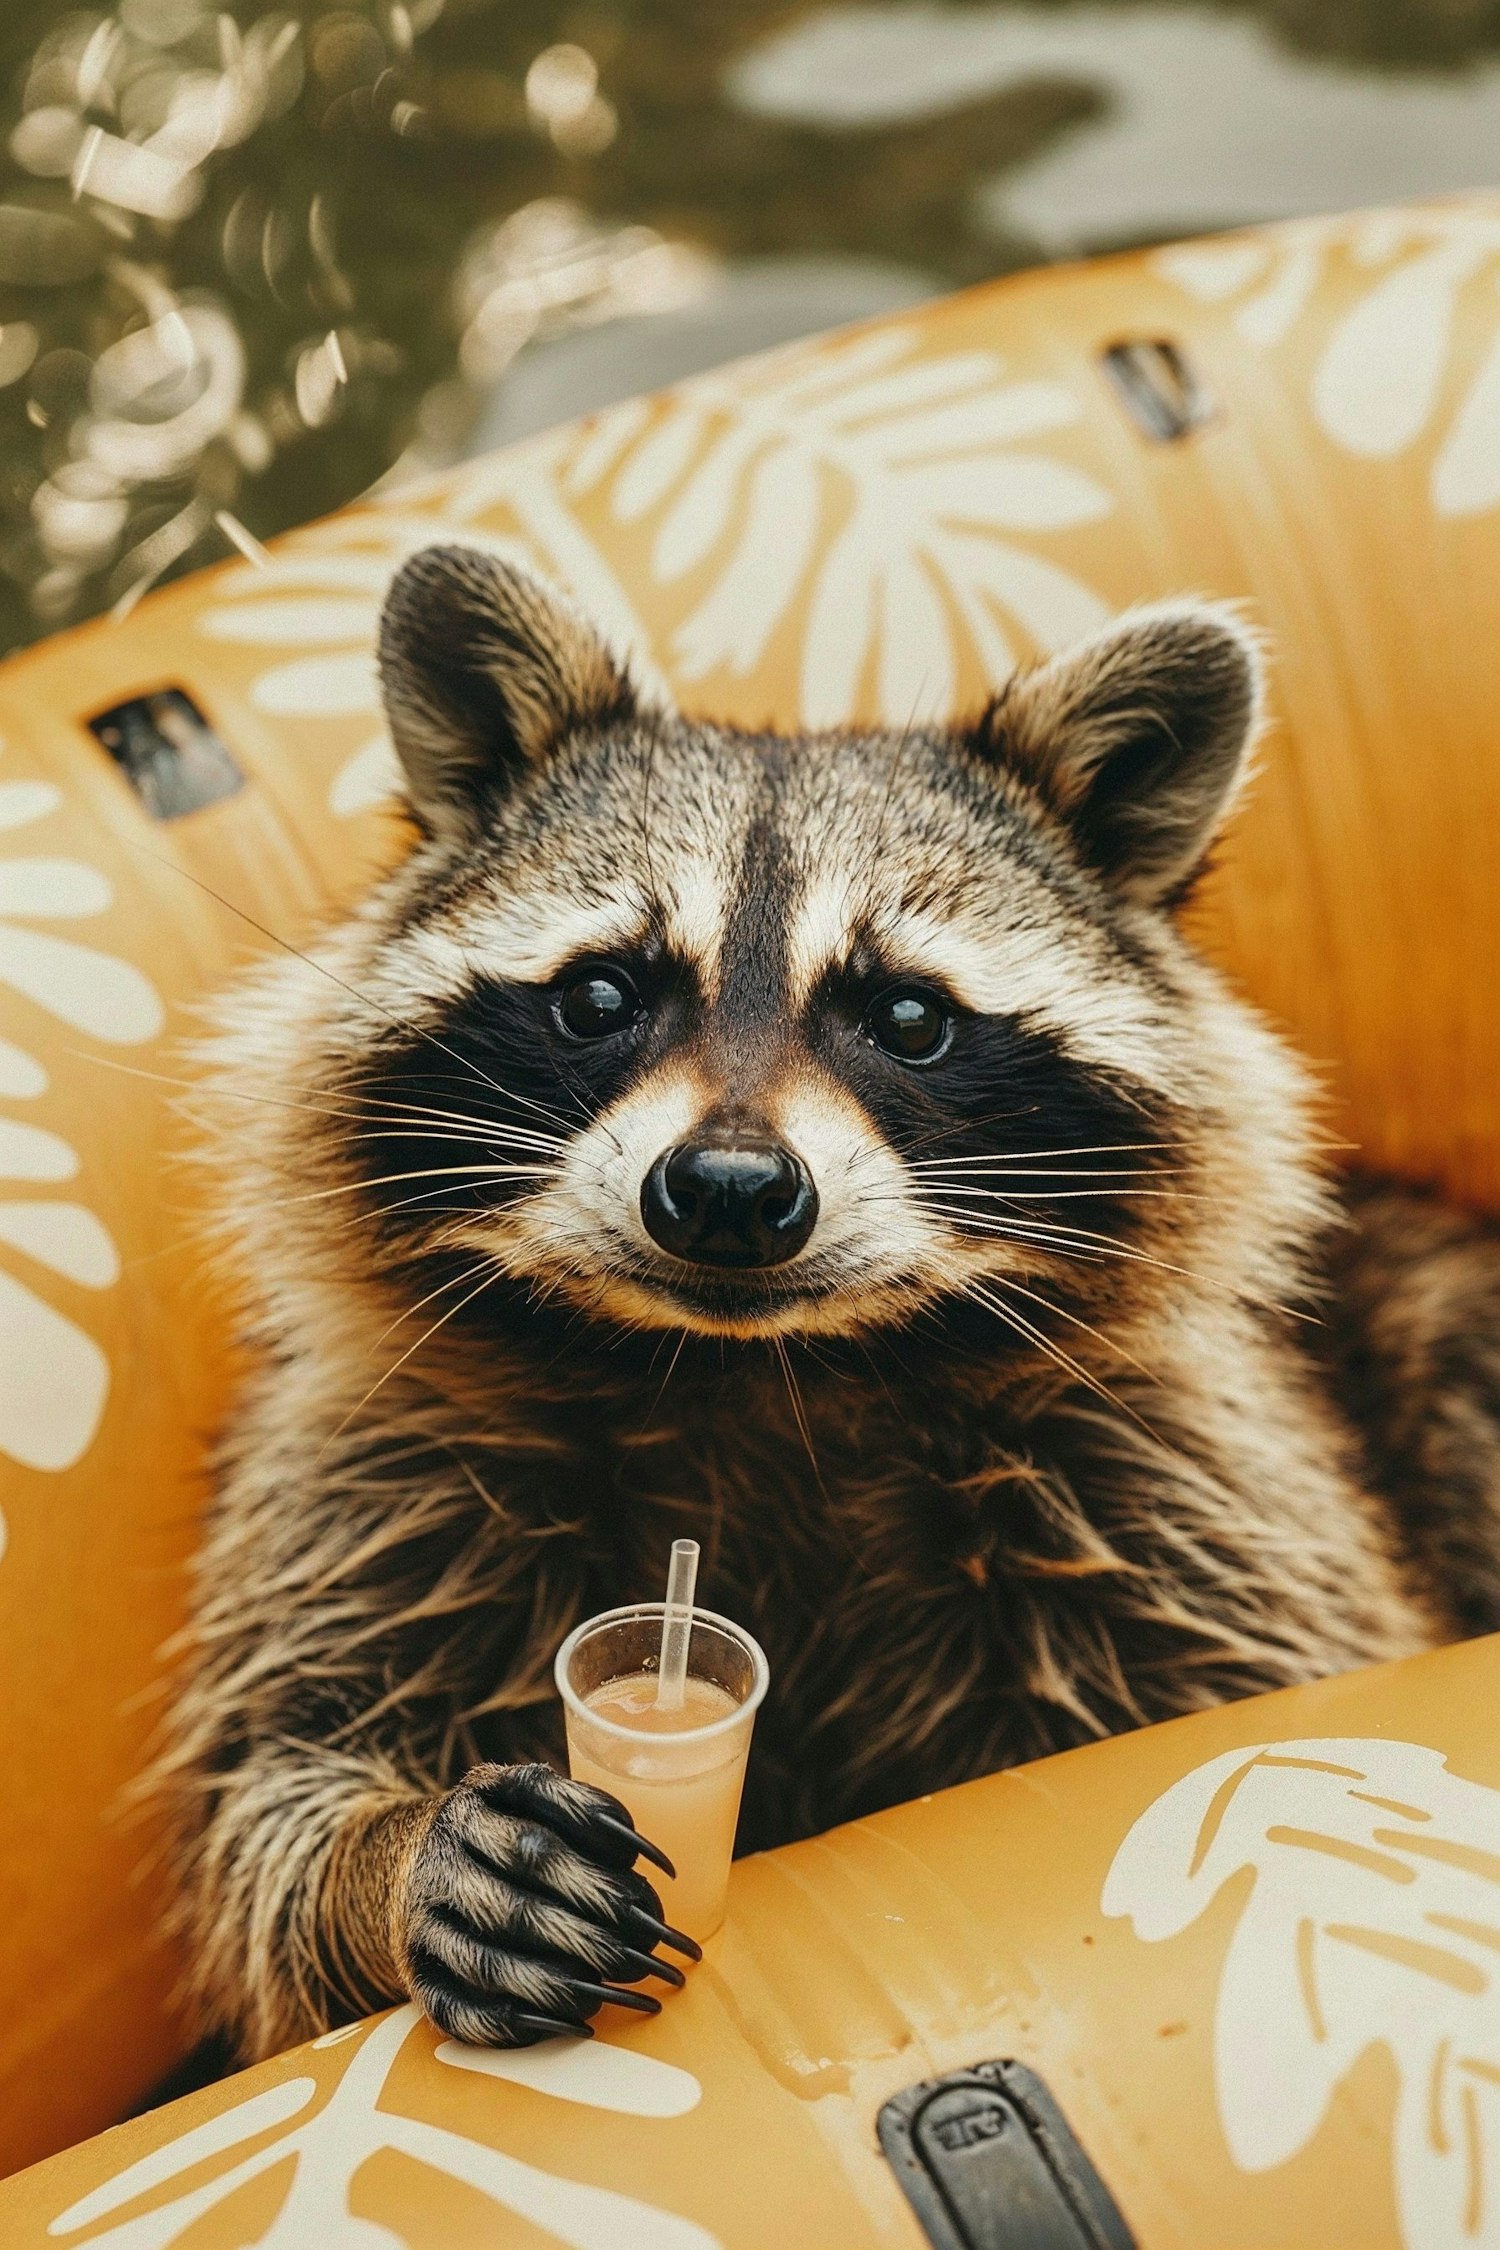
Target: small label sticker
168	752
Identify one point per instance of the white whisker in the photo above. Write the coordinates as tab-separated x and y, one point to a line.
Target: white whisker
1049	1346
431	1172
1006	1281
1085	1244
490	1272
1036	1155
1043	1195
487	1128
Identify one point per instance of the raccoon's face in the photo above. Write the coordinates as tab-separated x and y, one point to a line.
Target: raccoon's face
712	1030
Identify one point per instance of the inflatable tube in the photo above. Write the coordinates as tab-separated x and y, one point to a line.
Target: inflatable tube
1251	1959
866	525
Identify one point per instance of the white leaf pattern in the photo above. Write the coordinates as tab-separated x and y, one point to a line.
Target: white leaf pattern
61	888
607	439
735	622
285	604
371	777
30	1152
64	1236
316	687
329	2149
1024	491
995	417
598	2075
22	1077
1050	604
700	515
1212	271
94	992
657	463
913	448
892	490
24	801
1377	383
916	663
258	2114
54	1379
53	1382
1380	384
839	628
1374	1918
1466	474
837	370
264	624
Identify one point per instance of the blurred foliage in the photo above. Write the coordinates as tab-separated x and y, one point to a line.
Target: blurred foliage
253	256
1424	34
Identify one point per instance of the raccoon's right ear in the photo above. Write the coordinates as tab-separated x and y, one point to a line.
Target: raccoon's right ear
484	671
1137	738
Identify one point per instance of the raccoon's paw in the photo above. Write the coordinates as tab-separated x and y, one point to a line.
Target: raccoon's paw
522	1912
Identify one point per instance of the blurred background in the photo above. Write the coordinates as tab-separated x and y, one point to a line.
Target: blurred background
255	259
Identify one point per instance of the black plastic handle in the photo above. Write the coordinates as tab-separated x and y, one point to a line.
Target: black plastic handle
988	2162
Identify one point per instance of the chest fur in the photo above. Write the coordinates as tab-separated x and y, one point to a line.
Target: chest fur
908	1570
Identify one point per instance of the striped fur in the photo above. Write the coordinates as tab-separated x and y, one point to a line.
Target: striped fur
1026	1445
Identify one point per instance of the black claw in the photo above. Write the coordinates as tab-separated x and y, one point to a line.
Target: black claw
668	1971
552	2027
661	1933
636	1842
645	2002
628	1965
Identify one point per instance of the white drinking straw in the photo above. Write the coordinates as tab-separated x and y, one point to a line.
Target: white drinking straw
677	1625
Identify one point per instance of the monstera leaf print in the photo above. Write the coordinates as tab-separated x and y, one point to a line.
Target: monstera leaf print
1374	1919
316	601
1378	386
906	492
321	2151
316	604
54	1378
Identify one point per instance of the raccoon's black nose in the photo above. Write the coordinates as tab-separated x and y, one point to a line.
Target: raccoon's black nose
729	1202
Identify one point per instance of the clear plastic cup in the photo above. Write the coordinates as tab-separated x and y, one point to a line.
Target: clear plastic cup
680	1772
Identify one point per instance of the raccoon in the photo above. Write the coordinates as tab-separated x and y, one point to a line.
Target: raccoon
829	1148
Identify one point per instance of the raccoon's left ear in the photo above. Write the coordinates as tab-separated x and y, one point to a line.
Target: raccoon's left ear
1137	738
484	671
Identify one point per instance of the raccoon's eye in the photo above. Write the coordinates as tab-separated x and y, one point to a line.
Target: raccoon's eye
909	1024
601	1001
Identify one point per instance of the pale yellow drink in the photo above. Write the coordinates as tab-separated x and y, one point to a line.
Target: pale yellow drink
690	1815
679	1772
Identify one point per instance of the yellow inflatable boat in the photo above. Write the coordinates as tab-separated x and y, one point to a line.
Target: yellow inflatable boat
1230	1984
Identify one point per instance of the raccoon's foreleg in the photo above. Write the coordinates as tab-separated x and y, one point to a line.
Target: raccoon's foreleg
337	1847
508	1907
